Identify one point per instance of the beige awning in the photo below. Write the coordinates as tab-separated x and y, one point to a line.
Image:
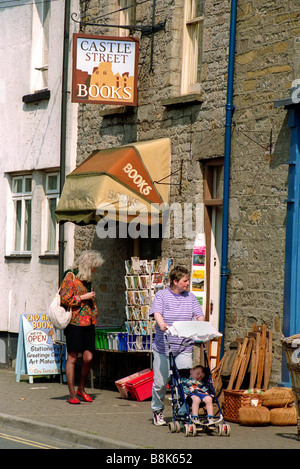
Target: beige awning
119	183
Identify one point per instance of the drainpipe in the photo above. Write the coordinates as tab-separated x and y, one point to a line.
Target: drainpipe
61	241
227	153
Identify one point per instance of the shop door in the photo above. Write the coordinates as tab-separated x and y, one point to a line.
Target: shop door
213	202
215	265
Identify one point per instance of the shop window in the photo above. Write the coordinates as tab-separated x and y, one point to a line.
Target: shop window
21	197
52	195
192	46
126	15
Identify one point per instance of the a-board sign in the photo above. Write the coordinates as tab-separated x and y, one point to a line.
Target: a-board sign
37	354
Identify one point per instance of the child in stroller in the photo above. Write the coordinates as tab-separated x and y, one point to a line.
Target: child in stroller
180	393
197	388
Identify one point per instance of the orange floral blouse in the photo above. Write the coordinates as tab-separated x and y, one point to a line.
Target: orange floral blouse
84	312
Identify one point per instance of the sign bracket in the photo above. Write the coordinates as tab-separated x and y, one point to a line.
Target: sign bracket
171	174
146	30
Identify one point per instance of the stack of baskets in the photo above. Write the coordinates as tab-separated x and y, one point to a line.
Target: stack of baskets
257	408
279	402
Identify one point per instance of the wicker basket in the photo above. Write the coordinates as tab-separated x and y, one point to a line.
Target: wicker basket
283	416
254	416
234	400
291	347
278	397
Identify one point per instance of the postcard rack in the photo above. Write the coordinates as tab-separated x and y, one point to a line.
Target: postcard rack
143	280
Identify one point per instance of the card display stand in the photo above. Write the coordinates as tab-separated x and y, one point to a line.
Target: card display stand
143	280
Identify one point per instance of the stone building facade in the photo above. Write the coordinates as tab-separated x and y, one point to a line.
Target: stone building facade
266	64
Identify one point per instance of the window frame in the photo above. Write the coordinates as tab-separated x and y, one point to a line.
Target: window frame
40	45
192	47
51	194
126	17
22	196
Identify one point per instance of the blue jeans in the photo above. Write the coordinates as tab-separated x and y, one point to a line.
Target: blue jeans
161	368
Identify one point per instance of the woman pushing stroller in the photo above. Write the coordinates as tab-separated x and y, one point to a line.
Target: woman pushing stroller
175	303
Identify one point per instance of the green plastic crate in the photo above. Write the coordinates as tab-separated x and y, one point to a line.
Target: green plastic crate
101	339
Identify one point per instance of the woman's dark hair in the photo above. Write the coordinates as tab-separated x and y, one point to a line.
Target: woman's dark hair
177	273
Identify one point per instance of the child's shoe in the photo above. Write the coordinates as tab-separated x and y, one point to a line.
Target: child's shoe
211	421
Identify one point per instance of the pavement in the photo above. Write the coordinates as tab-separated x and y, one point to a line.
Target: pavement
113	423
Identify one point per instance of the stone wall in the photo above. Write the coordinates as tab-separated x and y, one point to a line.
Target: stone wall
264	71
161	112
265	53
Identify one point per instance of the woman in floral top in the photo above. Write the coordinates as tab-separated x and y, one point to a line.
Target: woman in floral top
76	293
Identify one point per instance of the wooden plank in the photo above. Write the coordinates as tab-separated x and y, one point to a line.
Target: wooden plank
254	358
244	363
236	364
256	328
241	360
251	354
234	368
268	360
211	354
232	351
261	357
217	373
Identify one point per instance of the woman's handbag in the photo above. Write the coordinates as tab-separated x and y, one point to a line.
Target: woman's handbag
58	315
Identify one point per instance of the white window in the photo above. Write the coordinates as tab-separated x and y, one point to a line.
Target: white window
40	45
52	195
192	46
126	15
21	195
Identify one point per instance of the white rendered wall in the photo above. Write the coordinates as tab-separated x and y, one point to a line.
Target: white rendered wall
30	142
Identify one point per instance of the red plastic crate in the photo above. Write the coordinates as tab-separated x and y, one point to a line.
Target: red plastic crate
140	388
121	383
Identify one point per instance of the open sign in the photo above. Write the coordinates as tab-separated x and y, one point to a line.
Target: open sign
37	337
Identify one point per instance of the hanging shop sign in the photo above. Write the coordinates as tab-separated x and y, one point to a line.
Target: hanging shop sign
105	69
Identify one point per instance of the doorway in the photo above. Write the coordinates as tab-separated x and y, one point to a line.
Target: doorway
213	213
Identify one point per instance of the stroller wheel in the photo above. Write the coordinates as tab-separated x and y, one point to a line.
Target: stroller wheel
226	429
190	429
223	429
174	427
171	427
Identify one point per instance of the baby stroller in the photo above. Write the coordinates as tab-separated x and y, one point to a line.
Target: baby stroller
201	331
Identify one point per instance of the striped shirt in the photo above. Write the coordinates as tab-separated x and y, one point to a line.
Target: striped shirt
174	307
